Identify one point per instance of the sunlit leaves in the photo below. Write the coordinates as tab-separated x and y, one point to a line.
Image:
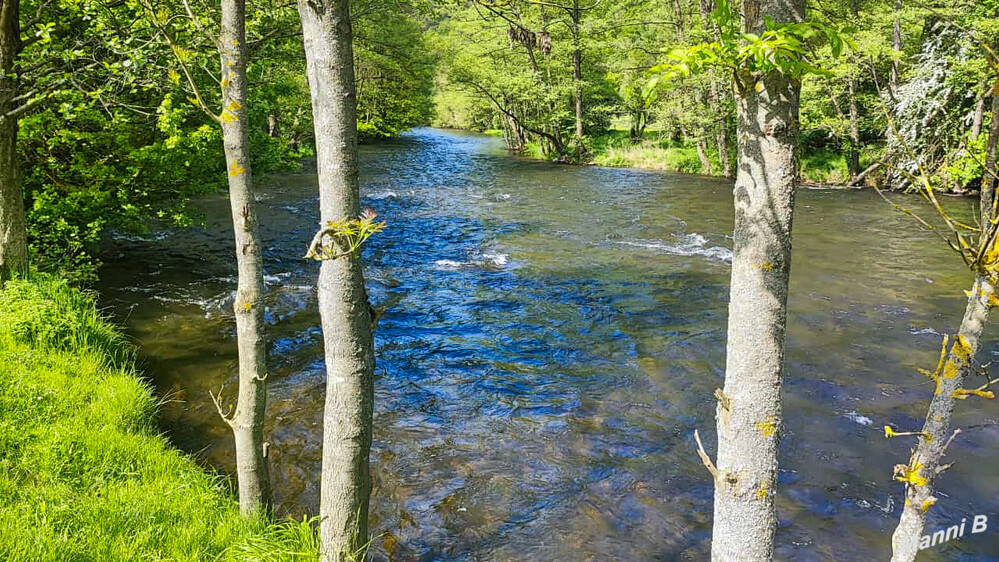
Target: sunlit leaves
787	48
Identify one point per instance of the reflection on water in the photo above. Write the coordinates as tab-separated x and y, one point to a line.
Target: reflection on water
553	337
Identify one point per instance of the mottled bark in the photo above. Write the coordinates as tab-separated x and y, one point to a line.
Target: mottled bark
343	303
13	234
749	405
247	421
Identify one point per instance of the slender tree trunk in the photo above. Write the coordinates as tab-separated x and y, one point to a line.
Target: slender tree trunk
926	460
978	119
13	234
749	406
897	45
343	302
721	137
989	177
702	155
681	25
272	126
577	67
717	99
854	163
248	420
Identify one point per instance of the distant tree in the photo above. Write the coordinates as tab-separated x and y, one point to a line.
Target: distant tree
13	233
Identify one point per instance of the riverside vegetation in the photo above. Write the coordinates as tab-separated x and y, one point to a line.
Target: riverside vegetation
114	115
85	474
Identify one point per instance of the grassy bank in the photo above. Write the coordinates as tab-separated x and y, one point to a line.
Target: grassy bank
615	149
84	473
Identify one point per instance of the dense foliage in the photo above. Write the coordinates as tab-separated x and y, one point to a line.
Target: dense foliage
113	138
508	66
116	142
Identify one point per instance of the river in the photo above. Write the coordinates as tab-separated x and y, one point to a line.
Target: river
553	336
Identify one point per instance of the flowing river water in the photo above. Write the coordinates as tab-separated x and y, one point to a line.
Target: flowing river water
553	336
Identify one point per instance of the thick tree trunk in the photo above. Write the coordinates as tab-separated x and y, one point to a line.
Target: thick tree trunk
13	234
853	164
248	420
343	303
749	406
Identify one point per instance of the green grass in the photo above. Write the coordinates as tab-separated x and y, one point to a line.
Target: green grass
615	149
825	167
653	152
84	474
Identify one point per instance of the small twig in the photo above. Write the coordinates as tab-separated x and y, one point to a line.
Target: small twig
217	400
705	459
949	441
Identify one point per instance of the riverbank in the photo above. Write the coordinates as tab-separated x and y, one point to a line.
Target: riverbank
615	149
84	472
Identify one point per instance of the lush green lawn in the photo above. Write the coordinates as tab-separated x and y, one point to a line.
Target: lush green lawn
84	474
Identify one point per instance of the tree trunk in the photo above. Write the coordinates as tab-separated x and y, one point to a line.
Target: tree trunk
248	420
702	155
13	234
978	119
577	67
929	453
721	137
343	303
749	406
854	162
926	458
897	45
989	176
272	126
680	23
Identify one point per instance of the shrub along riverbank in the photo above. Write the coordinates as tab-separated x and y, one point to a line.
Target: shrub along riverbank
616	149
84	473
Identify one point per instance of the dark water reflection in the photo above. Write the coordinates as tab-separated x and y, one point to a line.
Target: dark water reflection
553	338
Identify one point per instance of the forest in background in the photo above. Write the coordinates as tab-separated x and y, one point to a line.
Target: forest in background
112	138
919	65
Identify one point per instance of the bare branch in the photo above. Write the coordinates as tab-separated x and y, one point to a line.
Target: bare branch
705	459
217	400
